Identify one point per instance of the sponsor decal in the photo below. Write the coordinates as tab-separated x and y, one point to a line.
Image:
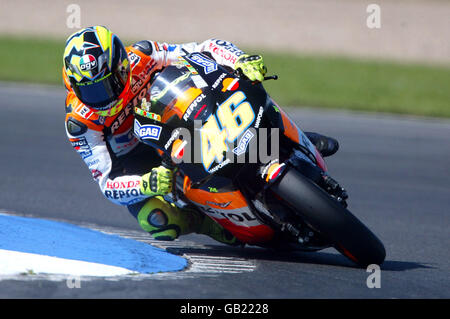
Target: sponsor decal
241	217
122	185
142	94
122	194
134	59
266	168
226	50
172	138
193	106
207	64
199	111
219	166
136	84
259	116
178	149
147	131
230	84
243	143
94	162
272	170
199	82
160	46
183	63
87	62
81	146
226	55
147	114
138	80
96	174
212	189
84	112
120	119
219	80
230	47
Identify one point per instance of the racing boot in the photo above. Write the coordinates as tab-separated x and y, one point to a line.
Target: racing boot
207	226
165	221
327	146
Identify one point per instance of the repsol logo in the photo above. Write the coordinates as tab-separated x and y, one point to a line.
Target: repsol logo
219	80
120	119
122	194
172	138
236	217
193	106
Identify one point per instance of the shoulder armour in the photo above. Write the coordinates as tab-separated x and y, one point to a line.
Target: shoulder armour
75	127
144	46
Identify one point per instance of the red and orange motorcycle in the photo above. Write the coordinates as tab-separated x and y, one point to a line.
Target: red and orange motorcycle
242	161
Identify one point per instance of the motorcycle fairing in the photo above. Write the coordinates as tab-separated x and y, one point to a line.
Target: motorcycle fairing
230	209
295	134
180	100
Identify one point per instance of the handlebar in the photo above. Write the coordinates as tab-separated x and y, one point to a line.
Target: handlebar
272	77
167	162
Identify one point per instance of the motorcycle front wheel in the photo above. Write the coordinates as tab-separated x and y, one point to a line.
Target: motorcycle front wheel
324	214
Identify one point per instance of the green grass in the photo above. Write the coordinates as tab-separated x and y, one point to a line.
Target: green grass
380	86
319	81
35	60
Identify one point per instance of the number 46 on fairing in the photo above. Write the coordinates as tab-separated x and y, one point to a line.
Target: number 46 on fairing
234	116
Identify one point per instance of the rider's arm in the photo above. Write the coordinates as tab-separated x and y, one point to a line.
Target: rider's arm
224	52
88	141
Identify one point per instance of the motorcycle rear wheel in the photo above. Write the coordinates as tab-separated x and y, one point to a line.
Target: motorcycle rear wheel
346	232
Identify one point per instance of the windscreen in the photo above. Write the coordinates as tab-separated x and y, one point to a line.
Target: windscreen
174	90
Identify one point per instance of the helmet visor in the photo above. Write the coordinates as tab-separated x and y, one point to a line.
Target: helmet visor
99	93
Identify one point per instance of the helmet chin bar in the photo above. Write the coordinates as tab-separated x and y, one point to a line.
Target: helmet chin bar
114	107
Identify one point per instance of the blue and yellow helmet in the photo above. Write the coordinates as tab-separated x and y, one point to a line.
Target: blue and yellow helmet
96	65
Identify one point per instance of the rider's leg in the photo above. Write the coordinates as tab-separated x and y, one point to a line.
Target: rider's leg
327	146
165	221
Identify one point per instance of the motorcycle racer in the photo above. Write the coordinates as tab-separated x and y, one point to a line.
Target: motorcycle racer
104	81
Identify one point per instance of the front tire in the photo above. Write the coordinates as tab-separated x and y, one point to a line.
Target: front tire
337	224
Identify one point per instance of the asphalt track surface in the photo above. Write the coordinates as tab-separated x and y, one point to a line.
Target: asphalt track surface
395	169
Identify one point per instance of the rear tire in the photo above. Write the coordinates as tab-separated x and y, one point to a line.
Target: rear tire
337	224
